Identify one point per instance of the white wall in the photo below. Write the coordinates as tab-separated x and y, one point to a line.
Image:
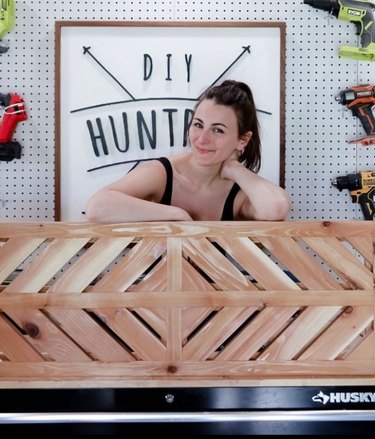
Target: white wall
317	127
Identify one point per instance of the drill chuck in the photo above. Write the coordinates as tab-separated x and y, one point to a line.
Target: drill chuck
345	97
350	182
332	6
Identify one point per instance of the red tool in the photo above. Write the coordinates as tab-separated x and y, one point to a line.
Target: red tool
14	112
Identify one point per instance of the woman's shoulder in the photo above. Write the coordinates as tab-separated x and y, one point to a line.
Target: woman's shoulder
155	163
169	163
177	159
164	161
146	170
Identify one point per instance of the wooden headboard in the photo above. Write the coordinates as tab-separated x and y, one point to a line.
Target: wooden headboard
193	303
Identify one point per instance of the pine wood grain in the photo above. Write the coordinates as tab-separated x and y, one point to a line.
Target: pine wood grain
187	302
14	346
14	252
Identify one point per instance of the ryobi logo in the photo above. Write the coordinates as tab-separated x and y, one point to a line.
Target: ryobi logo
344	397
354	12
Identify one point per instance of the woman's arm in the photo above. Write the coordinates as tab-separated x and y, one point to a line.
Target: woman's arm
265	201
134	197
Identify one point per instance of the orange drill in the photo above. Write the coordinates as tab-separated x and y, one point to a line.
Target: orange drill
360	100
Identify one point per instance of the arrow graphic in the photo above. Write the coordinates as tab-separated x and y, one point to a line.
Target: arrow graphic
87	50
245	49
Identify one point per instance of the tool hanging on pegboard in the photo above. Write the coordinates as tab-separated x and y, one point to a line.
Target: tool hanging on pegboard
362	190
14	112
360	100
6	20
359	12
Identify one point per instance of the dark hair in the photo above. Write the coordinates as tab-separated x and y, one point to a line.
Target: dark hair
238	96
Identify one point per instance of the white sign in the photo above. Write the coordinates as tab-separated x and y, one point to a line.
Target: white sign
125	93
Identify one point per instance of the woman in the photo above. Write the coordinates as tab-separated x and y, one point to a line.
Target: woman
216	180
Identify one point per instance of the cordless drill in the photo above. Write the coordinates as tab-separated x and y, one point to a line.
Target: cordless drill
360	100
362	190
359	12
14	112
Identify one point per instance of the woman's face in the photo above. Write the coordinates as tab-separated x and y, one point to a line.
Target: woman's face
214	132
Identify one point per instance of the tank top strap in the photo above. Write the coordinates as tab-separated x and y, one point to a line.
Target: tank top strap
167	196
227	214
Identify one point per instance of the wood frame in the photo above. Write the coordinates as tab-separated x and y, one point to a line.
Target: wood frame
68	200
188	304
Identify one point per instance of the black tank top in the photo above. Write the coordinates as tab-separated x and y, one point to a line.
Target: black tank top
227	214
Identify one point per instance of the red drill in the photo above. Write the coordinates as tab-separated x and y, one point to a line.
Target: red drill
14	112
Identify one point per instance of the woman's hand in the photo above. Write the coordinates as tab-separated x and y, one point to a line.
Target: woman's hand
229	165
265	201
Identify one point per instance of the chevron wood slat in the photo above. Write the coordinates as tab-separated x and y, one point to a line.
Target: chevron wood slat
300	333
221	326
209	259
267	274
297	261
364	246
94	340
337	256
365	350
267	325
14	252
14	346
132	266
133	333
46	265
46	337
340	334
90	265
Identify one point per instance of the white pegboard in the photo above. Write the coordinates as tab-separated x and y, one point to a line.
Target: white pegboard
317	127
